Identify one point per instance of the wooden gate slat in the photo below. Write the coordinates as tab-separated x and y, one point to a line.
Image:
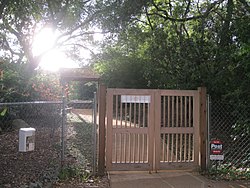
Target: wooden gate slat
157	135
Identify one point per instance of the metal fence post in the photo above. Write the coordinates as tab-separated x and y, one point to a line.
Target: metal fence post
94	134
208	129
63	124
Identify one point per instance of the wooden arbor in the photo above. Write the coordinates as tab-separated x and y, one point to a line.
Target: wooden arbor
86	74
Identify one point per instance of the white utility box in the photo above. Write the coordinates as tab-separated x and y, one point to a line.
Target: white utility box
26	139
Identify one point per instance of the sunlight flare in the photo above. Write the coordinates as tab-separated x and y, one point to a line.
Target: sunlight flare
43	41
52	58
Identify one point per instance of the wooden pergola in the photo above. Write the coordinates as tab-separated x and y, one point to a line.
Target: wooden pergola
86	74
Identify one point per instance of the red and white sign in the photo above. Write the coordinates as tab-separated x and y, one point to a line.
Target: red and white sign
216	147
216	150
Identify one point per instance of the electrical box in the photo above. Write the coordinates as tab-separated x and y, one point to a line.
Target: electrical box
26	139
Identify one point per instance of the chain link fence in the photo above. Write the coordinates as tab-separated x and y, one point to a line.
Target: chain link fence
65	135
82	133
40	165
231	124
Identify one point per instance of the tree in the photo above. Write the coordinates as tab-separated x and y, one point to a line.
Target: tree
20	21
12	83
182	44
14	87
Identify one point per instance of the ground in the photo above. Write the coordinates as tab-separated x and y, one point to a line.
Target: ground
22	169
41	167
80	153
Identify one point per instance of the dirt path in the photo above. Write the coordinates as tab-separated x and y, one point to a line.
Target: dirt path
80	153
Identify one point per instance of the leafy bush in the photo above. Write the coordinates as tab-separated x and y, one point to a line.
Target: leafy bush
17	86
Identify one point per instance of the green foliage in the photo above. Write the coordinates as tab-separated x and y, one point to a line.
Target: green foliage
14	84
228	172
243	126
69	172
5	119
3	111
120	70
181	45
17	87
82	90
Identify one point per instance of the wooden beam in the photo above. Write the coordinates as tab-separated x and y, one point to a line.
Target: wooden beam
102	115
203	127
157	126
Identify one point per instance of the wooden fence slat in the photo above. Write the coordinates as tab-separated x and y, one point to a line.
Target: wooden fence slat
177	111
125	114
158	134
185	111
181	146
134	115
168	111
116	111
115	143
176	147
172	147
185	146
125	148
172	111
164	112
143	148
168	145
130	114
121	120
163	148
144	115
189	112
189	147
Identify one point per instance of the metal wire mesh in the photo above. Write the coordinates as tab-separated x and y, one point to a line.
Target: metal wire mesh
42	115
81	132
30	166
231	124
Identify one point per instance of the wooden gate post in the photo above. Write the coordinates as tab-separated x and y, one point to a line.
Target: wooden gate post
157	127
102	115
203	127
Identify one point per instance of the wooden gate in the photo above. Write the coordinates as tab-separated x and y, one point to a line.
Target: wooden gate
152	129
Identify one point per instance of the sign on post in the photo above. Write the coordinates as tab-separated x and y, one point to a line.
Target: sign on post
216	150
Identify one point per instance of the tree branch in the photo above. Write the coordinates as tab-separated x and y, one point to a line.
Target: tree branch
225	35
88	20
149	21
187	8
167	17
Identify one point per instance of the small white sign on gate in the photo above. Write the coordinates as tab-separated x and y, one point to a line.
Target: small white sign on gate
135	99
